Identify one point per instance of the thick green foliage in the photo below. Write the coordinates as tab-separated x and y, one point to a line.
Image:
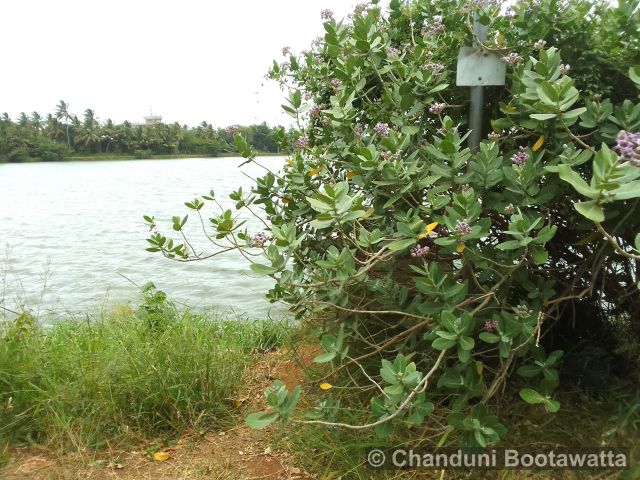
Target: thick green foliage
410	245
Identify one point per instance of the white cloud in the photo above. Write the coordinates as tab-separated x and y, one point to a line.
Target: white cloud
191	60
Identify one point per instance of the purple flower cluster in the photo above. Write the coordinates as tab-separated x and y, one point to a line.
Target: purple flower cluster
326	14
286	51
358	130
316	109
437	108
336	83
436	68
393	51
565	69
386	155
540	44
418	251
628	147
462	228
360	8
303	142
520	157
512	59
433	27
382	129
522	311
490	325
259	239
477	4
493	136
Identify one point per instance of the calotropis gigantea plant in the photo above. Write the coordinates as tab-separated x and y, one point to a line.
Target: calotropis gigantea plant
432	272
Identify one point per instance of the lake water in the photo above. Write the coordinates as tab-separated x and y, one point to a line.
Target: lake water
72	230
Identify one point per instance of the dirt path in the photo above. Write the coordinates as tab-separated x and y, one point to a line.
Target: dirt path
232	453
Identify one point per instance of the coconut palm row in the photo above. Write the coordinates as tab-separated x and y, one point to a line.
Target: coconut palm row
61	134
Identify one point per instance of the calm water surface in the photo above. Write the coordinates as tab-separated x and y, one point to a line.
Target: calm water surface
71	230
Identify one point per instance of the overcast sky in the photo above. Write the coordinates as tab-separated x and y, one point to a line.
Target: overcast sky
190	60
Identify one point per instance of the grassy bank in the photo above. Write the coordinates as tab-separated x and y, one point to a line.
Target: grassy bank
118	377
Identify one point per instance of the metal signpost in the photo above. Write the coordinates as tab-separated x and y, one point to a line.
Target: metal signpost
478	68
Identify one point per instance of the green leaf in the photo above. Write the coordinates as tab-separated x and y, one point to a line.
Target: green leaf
591	210
542	116
443	343
553	406
529	395
396	389
292	400
401	244
439	88
263	269
325	357
568	175
528	371
261	420
447	147
489	337
466	343
410	130
477	434
634	74
547	94
509	245
539	255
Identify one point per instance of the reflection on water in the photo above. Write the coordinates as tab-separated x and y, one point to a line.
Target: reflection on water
76	227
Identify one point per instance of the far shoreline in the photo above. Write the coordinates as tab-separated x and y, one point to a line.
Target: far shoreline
162	156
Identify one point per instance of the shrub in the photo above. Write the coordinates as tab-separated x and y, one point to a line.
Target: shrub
438	269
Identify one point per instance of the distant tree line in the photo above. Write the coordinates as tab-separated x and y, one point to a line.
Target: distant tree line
61	135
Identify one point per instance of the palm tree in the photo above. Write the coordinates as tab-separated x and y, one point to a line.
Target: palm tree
23	120
89	131
62	113
109	133
36	121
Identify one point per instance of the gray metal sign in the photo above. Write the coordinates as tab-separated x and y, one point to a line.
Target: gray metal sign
478	67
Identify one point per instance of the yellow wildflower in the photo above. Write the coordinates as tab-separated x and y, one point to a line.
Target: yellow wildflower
428	229
326	386
315	171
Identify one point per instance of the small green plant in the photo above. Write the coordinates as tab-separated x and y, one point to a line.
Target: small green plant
155	310
281	404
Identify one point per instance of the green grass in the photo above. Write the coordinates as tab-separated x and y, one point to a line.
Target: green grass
120	376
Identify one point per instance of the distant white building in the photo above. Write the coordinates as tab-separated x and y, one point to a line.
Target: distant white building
150	120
